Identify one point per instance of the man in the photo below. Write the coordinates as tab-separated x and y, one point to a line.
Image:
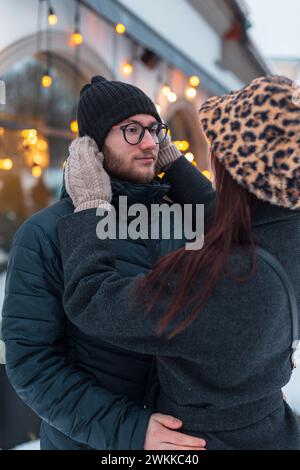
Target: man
88	393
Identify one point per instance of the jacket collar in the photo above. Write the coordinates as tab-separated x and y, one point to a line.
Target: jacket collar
153	192
267	213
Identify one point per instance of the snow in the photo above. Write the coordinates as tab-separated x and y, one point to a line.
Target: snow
32	445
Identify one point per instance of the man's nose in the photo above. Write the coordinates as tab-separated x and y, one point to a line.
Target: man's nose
147	141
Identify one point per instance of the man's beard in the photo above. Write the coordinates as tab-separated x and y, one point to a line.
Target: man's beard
113	164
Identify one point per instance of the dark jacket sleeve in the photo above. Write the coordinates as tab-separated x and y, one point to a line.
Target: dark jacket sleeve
33	330
97	299
190	186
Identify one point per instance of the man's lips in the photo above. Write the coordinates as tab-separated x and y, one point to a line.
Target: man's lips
151	159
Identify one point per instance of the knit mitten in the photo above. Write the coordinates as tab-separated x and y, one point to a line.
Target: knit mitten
167	154
87	183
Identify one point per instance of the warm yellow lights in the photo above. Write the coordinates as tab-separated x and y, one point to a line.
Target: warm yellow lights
190	156
194	81
46	80
190	93
172	97
52	19
41	145
120	28
127	69
6	164
166	90
184	145
38	159
1	131
28	133
74	126
207	174
36	171
76	39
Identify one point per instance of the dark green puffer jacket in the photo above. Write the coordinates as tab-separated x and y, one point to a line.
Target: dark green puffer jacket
87	392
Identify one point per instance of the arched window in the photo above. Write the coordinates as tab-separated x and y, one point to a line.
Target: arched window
35	134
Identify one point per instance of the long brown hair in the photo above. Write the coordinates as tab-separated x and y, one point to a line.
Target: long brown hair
230	227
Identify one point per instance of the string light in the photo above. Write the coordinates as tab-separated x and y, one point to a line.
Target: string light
37	159
127	69
120	28
190	156
36	171
52	18
6	164
172	97
28	133
41	144
184	145
74	126
166	90
1	131
76	38
207	174
47	79
194	81
190	93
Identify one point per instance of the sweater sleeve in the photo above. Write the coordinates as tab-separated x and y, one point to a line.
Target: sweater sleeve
97	299
190	186
34	333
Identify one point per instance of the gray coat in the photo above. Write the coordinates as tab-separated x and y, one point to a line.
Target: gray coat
223	375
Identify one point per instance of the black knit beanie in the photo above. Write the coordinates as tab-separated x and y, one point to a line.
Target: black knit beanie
105	103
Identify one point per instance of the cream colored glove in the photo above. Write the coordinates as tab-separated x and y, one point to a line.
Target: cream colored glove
87	183
167	154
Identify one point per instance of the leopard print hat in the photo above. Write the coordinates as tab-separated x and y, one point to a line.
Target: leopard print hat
255	134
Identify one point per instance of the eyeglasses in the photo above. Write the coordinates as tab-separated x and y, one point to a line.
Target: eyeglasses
134	132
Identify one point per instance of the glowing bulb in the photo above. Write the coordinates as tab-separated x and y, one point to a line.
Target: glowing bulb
52	18
36	171
76	38
28	133
127	69
184	145
158	108
74	126
120	28
190	93
42	144
37	159
46	80
6	164
1	131
166	90
207	174
172	97
194	80
32	140
190	156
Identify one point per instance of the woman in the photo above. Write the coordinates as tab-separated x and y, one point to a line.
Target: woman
222	319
